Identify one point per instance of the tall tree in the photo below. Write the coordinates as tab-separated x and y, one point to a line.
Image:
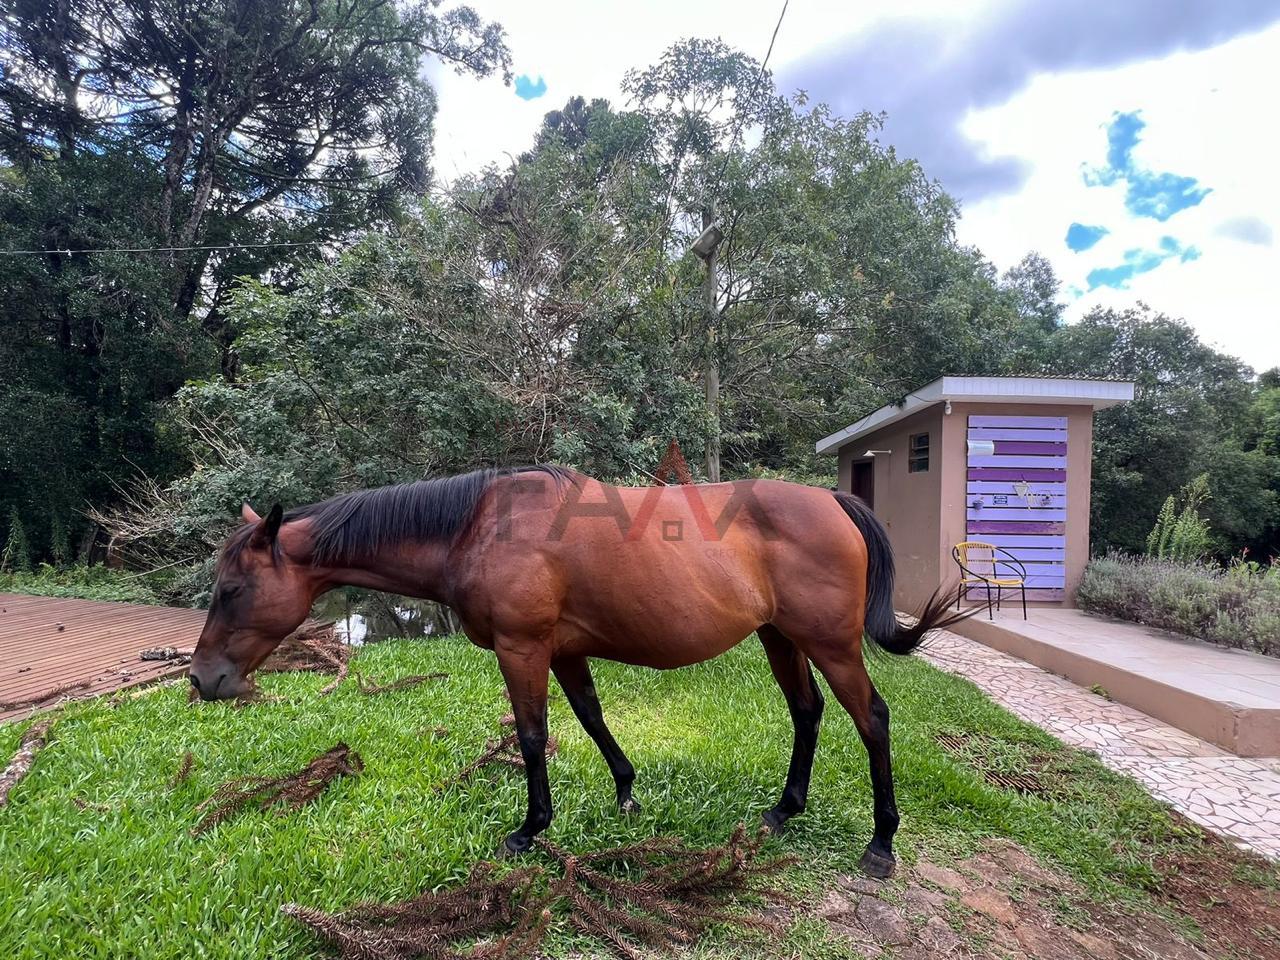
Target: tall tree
838	280
700	100
231	138
1035	288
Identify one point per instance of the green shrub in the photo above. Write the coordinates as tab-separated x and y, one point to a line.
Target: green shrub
87	583
1237	606
1182	535
16	554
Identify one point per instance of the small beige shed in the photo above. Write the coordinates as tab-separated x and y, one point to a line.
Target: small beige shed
1005	460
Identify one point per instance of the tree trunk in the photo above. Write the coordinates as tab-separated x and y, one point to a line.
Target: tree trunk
711	362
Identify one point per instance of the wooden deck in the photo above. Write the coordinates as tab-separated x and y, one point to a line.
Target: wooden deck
48	643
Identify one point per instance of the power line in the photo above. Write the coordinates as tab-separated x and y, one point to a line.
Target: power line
772	40
68	251
764	65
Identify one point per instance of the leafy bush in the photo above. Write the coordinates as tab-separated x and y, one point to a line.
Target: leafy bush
1237	606
16	553
88	583
1182	535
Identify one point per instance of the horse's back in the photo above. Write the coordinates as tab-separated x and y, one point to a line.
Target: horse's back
664	576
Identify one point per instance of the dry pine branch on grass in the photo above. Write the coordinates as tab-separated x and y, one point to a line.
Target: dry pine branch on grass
658	894
503	752
44	697
429	925
661	894
289	792
313	647
184	770
33	740
372	687
316	649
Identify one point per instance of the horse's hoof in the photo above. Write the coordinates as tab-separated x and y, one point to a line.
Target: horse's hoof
876	865
774	821
629	806
513	846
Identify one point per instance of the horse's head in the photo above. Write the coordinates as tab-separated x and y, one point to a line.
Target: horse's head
260	596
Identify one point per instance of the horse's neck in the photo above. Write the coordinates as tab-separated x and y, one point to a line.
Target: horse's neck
415	570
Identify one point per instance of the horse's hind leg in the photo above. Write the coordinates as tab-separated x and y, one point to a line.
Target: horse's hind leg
804	700
841	663
574	675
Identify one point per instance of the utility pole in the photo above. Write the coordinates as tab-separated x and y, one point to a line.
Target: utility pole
707	246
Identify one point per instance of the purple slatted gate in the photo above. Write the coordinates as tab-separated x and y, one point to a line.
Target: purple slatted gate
1016	496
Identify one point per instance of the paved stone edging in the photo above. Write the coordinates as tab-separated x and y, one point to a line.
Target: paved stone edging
1233	796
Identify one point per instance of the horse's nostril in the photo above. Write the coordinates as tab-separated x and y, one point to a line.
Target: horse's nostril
217	684
195	681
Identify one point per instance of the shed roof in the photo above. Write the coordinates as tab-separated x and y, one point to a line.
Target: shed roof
1061	390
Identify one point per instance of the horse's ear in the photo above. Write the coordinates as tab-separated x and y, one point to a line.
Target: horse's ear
248	514
269	528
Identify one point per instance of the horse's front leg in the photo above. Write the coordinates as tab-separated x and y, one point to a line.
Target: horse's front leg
525	665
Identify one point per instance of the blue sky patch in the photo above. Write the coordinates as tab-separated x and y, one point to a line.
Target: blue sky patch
529	89
1080	237
1147	193
1138	261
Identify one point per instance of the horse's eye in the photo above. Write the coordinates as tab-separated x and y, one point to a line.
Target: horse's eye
230	592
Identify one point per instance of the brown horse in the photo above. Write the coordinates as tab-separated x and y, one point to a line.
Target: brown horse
547	568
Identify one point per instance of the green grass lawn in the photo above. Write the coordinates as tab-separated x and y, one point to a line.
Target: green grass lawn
710	744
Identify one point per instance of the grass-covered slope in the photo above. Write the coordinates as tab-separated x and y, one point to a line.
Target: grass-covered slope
97	860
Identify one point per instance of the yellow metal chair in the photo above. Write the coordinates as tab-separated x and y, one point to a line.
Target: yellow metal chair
981	564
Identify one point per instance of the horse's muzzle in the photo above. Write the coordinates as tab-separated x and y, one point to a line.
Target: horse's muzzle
215	681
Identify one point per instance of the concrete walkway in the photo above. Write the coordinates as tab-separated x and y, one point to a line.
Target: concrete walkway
1234	796
1229	697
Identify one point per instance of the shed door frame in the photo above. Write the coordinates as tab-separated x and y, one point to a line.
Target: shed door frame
1016	495
862	480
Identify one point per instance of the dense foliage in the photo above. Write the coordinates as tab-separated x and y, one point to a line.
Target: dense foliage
1237	606
138	143
550	310
1196	411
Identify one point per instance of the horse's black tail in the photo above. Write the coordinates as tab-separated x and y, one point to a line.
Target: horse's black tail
881	622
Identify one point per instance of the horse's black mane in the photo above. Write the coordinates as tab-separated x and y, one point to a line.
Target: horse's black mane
360	523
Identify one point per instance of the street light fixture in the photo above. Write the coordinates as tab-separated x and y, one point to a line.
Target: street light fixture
708	242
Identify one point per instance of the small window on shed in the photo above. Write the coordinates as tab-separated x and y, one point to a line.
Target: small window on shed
918	453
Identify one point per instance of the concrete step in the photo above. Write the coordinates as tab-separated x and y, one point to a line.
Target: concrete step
1229	697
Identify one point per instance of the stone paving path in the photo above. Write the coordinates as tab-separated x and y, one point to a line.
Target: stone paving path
1237	797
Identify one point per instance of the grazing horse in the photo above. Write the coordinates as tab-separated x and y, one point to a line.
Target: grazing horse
547	568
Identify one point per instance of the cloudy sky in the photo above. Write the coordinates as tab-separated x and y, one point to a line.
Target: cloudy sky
1132	142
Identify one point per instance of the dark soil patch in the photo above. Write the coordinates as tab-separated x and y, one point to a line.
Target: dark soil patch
1001	903
980	753
1232	895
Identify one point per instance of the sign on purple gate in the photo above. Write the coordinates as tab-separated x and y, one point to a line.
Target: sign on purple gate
1016	495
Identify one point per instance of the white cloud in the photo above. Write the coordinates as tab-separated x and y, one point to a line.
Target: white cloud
1207	117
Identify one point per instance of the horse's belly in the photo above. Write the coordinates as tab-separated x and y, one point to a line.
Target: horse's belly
661	622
